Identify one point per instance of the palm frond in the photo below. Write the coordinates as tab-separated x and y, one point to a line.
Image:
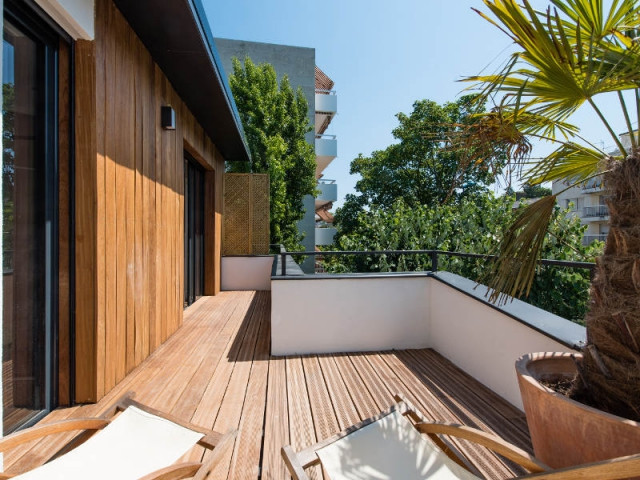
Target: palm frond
513	272
571	161
560	66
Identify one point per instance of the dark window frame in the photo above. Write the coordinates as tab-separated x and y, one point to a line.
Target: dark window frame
194	230
33	21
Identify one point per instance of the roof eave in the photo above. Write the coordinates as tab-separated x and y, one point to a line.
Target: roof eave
179	38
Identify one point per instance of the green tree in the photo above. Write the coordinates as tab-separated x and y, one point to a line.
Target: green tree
473	225
423	168
533	191
569	55
275	122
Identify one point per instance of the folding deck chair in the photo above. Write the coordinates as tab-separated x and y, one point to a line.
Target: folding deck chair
130	441
400	444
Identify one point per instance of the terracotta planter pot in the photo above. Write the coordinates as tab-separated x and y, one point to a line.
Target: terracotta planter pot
565	432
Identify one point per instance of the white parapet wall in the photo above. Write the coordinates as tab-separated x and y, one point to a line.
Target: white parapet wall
442	311
348	314
246	273
485	341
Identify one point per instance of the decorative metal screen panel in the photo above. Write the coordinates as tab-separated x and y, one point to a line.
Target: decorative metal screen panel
246	214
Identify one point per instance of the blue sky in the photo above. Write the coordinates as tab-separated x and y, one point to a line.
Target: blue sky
382	56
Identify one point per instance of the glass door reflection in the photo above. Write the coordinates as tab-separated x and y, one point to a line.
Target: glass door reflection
27	233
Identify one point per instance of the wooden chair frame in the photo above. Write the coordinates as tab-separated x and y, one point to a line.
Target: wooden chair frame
89	426
619	468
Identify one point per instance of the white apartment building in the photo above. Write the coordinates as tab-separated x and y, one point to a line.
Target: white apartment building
587	202
299	64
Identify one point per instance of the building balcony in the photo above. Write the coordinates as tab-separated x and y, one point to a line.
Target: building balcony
326	108
328	193
281	369
589	239
592	186
596	212
326	151
325	235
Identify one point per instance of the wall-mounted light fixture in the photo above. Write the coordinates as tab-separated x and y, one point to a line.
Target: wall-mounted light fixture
168	117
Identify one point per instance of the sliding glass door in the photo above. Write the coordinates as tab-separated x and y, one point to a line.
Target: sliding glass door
29	179
193	230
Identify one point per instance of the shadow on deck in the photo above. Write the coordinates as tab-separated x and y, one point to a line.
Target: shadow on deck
216	371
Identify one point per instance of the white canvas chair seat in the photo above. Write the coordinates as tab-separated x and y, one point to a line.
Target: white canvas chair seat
141	442
131	446
390	448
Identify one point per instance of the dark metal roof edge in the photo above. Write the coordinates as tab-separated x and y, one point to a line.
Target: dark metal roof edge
197	10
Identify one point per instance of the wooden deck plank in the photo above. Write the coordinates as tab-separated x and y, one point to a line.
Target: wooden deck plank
362	399
301	431
396	385
276	422
209	406
497	414
246	456
192	394
216	371
346	412
378	390
233	403
324	417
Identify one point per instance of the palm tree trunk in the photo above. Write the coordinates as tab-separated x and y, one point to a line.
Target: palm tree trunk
610	370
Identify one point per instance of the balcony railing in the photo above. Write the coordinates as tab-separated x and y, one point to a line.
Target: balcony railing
326	151
324	235
327	192
592	186
433	254
589	239
600	211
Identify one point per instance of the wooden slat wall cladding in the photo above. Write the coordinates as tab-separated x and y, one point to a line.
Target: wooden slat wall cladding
130	205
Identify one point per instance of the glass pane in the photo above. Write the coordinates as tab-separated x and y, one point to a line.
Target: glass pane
193	232
24	234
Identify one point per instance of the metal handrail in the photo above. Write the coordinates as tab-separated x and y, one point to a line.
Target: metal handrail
595	211
329	137
432	253
587	239
325	92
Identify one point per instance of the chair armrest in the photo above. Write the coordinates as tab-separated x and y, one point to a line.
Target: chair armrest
293	464
614	469
485	439
210	463
40	431
174	472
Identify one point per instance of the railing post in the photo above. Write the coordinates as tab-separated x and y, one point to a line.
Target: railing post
434	261
283	267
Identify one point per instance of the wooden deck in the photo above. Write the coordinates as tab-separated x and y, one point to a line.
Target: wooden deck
216	371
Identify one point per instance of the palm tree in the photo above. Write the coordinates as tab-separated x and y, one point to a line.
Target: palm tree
568	56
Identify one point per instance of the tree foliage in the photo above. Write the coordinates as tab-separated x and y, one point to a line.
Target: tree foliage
275	122
532	191
472	225
423	168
